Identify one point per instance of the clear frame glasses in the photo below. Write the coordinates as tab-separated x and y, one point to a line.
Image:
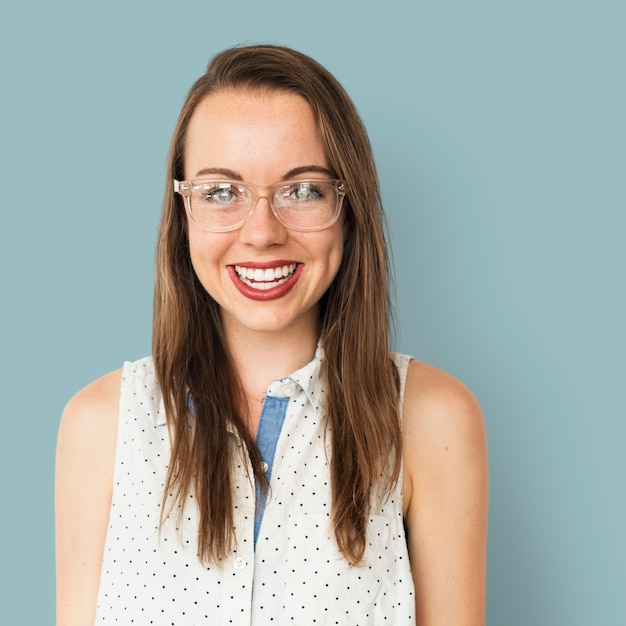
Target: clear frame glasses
219	205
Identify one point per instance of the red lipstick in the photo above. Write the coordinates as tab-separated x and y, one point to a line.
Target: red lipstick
263	281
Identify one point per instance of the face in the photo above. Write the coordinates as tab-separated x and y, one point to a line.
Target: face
264	276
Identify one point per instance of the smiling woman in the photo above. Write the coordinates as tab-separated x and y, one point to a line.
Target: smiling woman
272	461
264	138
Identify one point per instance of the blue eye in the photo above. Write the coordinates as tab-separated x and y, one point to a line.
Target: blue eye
219	194
305	191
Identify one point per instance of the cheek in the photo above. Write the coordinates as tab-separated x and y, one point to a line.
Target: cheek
205	252
337	256
333	254
196	251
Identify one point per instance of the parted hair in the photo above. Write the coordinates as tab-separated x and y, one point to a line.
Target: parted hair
202	394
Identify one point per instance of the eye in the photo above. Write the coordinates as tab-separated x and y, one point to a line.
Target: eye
304	191
218	193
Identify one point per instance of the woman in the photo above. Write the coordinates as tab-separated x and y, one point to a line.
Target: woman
273	461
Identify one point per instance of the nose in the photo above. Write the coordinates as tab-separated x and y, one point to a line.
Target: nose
262	228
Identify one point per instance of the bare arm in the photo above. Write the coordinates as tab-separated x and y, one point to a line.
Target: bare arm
446	492
84	482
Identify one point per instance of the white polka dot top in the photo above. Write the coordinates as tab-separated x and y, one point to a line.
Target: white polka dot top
293	575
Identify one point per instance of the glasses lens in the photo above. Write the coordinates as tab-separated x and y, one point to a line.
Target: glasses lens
219	205
307	204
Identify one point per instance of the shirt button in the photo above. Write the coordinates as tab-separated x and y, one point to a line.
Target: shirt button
264	467
289	389
240	562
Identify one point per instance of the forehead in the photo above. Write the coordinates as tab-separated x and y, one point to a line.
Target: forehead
235	127
245	109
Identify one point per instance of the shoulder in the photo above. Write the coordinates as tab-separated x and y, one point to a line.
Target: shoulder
94	403
443	428
89	420
445	492
83	487
96	406
432	395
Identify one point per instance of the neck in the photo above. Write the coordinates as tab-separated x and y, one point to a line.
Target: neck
260	357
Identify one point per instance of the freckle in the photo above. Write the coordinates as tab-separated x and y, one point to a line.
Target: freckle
446	448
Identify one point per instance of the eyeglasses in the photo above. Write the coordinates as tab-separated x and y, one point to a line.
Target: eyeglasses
223	205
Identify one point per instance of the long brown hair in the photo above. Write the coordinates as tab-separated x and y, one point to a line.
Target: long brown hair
192	363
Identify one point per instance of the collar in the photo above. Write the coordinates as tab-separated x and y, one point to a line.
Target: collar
307	378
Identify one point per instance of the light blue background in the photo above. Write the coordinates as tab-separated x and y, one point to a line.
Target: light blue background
500	139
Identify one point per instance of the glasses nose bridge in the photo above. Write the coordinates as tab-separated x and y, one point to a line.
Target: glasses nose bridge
258	192
267	192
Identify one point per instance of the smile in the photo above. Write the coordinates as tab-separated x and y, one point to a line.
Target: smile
265	278
266	283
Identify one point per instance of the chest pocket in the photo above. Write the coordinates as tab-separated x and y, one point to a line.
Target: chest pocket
322	588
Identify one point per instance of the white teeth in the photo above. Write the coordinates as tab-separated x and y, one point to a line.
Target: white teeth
264	279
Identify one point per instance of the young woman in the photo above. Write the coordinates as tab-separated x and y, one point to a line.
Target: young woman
273	461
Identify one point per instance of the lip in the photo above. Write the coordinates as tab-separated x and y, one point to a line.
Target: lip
263	265
268	294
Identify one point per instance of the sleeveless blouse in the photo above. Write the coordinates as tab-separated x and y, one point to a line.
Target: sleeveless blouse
294	575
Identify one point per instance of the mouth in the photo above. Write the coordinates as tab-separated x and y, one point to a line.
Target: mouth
265	282
265	278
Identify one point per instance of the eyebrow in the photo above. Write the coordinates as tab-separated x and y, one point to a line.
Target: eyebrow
220	170
296	171
318	169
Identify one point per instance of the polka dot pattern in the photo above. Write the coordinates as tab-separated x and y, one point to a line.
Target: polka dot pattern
296	575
